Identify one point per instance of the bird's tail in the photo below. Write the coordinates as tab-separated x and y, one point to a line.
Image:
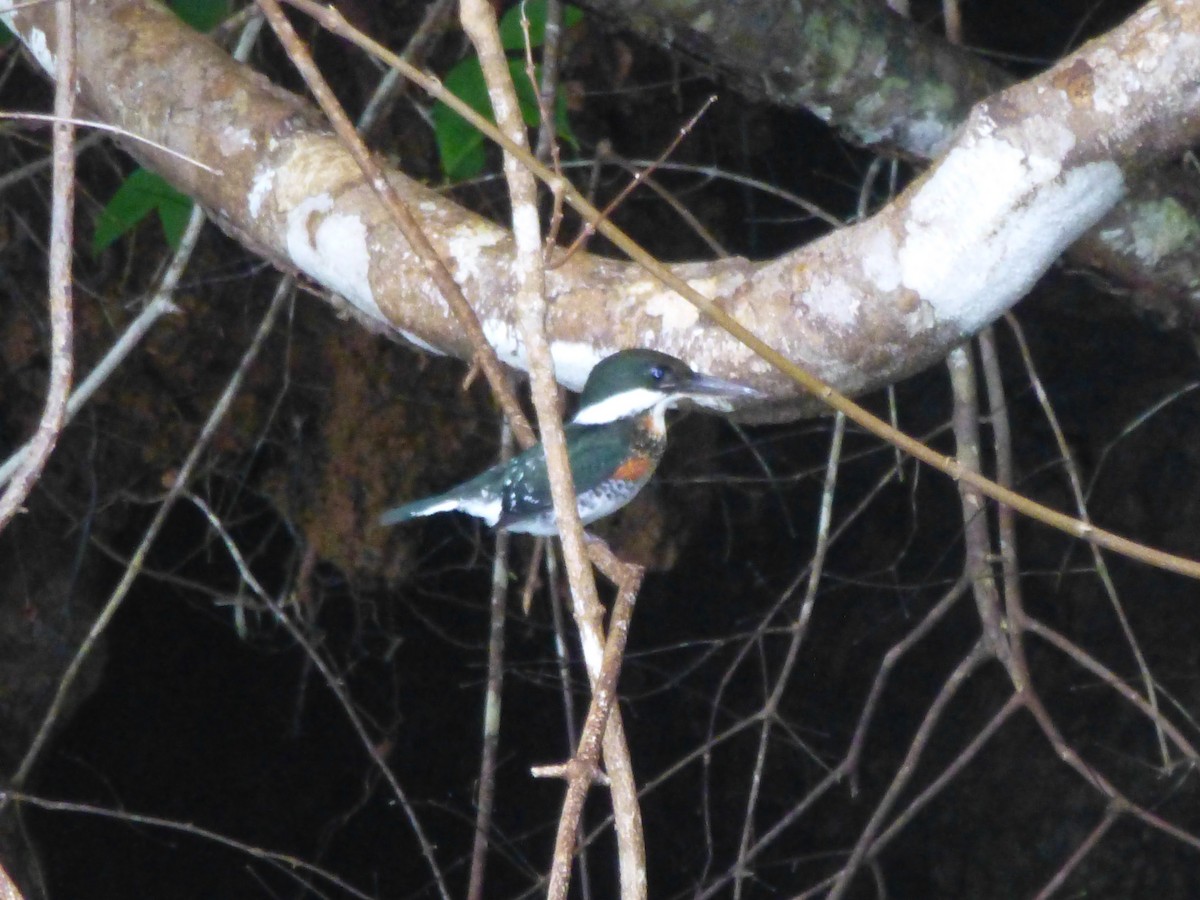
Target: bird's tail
426	507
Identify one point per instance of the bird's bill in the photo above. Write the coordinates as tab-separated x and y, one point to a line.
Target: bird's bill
717	393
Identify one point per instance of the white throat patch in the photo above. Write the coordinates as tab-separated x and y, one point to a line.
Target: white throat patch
619	406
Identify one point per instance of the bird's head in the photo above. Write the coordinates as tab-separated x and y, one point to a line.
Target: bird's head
631	382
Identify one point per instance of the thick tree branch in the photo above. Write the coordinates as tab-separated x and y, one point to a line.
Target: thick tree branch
1033	168
887	83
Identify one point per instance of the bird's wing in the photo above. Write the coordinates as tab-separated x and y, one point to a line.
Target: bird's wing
596	452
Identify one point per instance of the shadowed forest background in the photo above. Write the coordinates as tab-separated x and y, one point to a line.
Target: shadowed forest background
211	711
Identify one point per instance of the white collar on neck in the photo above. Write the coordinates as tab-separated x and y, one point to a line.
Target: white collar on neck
620	406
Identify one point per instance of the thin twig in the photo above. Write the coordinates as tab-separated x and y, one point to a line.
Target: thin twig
562	656
798	629
332	681
498	611
286	863
57	119
977	562
640	175
548	90
62	217
437	15
1111	816
1088	662
479	22
907	768
606	154
160	305
848	766
137	560
1081	510
582	769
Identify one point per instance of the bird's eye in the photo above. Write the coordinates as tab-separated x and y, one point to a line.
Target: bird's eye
658	373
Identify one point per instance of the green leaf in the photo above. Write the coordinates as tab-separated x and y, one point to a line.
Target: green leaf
140	194
173	215
512	36
460	144
203	15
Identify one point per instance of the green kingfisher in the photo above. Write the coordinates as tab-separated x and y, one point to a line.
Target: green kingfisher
614	444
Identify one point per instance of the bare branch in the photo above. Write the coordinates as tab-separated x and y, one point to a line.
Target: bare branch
62	219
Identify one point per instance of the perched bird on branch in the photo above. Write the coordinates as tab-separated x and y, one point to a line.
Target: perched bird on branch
614	444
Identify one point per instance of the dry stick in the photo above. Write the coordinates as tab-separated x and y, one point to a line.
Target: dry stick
977	562
437	15
606	154
497	606
62	210
1086	661
582	769
532	578
562	657
639	176
435	267
1006	525
1081	510
547	150
552	32
479	22
818	388
799	629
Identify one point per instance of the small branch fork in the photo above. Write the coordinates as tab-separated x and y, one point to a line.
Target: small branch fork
583	769
1003	626
991	574
603	728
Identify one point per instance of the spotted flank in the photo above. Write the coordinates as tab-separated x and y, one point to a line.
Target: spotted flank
601	501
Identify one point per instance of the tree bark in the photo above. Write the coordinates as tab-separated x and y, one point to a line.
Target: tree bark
884	82
1032	169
